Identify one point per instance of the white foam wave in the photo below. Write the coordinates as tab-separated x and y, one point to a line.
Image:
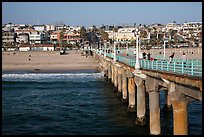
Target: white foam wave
49	77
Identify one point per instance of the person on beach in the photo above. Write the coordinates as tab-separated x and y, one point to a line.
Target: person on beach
29	57
171	57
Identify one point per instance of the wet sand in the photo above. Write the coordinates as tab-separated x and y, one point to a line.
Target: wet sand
49	61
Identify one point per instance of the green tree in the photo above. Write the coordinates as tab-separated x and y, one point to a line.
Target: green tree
104	35
61	38
83	33
115	29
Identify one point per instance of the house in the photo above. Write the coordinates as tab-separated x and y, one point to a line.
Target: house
50	27
42	47
36	47
22	38
36	37
39	27
8	37
55	37
24	47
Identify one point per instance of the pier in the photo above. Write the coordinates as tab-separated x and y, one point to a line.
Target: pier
133	86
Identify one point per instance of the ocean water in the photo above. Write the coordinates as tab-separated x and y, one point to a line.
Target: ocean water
74	104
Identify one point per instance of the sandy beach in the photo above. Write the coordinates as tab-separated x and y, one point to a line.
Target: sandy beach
49	61
52	61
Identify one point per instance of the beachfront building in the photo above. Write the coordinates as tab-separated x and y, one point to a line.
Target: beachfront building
72	38
8	40
42	47
39	27
36	37
50	27
69	37
8	37
123	34
55	37
36	47
22	38
190	27
24	47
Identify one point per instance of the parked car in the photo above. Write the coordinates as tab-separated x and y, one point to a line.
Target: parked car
63	52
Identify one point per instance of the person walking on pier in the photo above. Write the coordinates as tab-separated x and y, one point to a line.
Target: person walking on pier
183	57
171	57
144	55
148	56
86	53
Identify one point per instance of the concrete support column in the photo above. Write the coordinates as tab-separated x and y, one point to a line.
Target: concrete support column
180	109
154	110
105	69
124	87
113	73
109	72
115	76
141	101
180	117
131	93
119	84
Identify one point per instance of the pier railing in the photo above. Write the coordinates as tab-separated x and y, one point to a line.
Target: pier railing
191	67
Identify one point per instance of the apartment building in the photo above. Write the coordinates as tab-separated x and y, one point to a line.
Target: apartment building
22	38
8	37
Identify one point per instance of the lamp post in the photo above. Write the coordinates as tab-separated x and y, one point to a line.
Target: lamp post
105	49
114	48
126	48
165	46
99	48
114	57
137	64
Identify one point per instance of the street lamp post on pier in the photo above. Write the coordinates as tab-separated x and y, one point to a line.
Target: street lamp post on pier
165	46
137	64
99	48
105	49
114	57
126	48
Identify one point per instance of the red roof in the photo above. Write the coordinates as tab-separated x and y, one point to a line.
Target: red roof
36	45
43	45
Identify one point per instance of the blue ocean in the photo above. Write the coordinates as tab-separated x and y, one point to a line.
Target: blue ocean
82	103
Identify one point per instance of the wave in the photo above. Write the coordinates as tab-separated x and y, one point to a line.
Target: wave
51	77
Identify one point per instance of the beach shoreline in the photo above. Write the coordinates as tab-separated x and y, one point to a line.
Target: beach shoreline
48	62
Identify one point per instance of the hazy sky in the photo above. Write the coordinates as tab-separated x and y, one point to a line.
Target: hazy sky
98	13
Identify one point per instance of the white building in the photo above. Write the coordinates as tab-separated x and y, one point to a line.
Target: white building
8	37
22	38
42	47
36	37
123	34
39	27
192	27
36	47
49	27
24	47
